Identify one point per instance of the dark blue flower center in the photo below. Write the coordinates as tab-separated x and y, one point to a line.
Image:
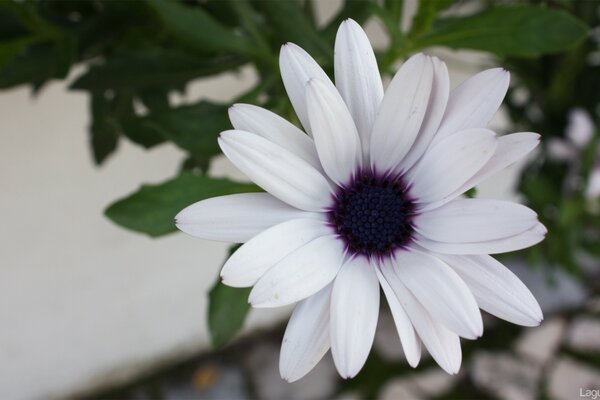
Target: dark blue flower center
373	215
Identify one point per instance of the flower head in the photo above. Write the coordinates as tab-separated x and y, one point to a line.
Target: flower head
370	197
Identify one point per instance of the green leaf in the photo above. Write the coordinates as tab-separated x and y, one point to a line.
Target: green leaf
154	69
152	209
198	29
34	66
526	31
104	131
290	24
142	133
227	309
194	128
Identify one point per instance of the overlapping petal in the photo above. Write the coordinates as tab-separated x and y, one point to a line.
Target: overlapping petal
401	113
357	78
277	170
299	275
406	332
512	243
473	103
248	263
509	150
337	141
440	290
354	313
475	220
496	289
234	218
306	338
449	163
438	99
254	119
298	67
442	344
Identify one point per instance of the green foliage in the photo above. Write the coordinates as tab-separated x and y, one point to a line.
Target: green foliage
525	31
152	209
227	309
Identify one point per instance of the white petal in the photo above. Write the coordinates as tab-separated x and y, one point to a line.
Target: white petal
354	313
496	289
334	132
440	290
306	337
299	275
438	99
401	113
251	118
504	245
406	332
510	149
235	217
449	163
443	345
475	220
260	253
473	103
357	78
298	67
278	171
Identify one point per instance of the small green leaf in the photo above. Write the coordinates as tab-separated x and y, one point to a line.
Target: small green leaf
104	131
198	29
152	209
227	309
526	31
153	69
194	128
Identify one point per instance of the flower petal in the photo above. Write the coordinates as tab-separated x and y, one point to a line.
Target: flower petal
251	118
248	263
510	149
406	332
357	78
306	338
473	103
354	313
401	113
235	217
298	67
504	245
440	290
299	275
443	345
475	220
334	132
496	289
278	171
438	99
449	163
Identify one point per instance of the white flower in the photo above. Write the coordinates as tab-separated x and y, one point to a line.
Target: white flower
372	197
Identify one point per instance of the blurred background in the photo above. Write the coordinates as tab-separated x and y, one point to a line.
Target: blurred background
109	113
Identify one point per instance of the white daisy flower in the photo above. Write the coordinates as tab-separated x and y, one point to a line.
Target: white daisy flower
371	198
